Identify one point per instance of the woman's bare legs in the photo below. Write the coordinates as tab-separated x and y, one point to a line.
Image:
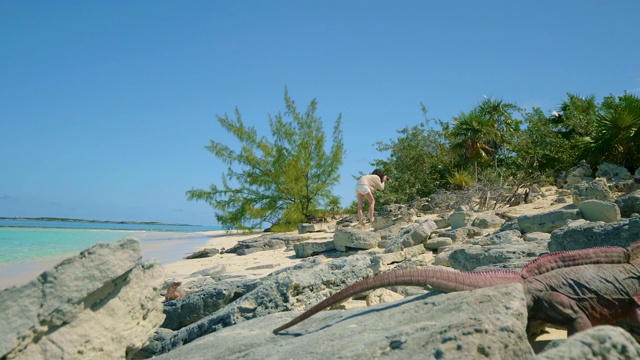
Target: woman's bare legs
372	204
360	214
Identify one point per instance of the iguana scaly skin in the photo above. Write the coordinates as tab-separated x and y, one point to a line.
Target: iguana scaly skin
572	289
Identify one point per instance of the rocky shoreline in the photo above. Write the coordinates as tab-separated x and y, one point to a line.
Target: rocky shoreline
106	303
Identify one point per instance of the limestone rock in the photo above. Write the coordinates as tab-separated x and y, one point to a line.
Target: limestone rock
381	296
394	214
462	233
101	303
411	235
582	235
311	248
581	172
319	227
597	210
547	221
461	218
470	257
629	204
487	323
487	221
204	253
600	342
499	238
536	236
438	242
351	238
294	288
613	172
597	189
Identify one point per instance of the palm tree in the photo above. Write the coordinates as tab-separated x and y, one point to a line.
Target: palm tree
499	113
616	134
473	133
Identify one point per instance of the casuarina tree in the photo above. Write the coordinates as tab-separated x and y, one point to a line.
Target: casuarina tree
282	180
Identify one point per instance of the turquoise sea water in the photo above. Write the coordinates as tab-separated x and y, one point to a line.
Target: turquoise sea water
27	240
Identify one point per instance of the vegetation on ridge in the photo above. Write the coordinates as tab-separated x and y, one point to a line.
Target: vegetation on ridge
288	180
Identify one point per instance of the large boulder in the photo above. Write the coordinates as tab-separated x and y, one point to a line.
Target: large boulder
488	221
597	189
473	257
547	221
101	303
629	204
584	234
293	288
411	235
187	310
579	173
351	238
597	210
487	323
392	214
613	173
311	248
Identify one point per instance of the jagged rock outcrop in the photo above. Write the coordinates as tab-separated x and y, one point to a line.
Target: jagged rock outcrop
292	288
412	235
613	173
547	221
597	189
585	234
310	248
597	210
629	204
488	322
187	310
102	303
351	238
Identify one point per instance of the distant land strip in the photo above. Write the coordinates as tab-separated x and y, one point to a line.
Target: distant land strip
92	221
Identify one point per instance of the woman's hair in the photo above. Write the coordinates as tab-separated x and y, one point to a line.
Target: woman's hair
380	174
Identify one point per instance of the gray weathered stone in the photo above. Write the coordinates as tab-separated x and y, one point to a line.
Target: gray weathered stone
318	227
411	235
462	233
187	310
629	204
600	342
597	189
470	257
461	219
102	303
598	210
581	172
583	235
293	288
499	238
414	251
488	323
350	238
438	242
613	172
536	236
487	221
311	248
381	296
442	220
547	221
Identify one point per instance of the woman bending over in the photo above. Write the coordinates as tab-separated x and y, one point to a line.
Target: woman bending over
364	189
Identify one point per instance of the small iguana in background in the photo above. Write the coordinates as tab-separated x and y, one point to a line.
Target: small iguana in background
571	289
176	291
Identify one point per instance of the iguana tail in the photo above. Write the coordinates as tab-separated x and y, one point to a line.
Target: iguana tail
440	280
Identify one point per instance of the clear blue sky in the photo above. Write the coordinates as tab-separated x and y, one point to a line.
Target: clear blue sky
106	106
